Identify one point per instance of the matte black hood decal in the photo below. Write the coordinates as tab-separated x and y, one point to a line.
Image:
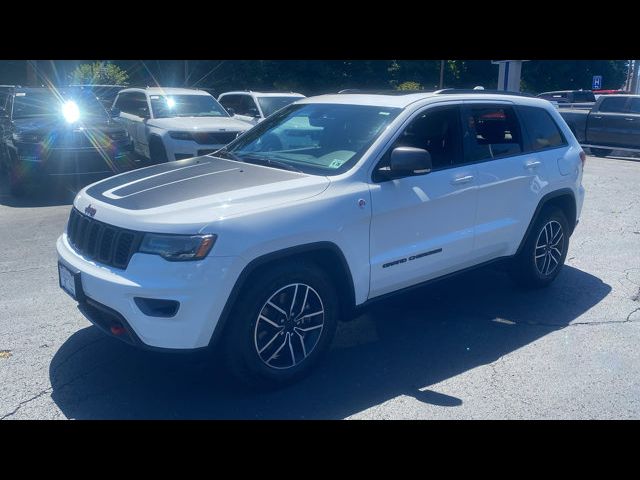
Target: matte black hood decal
183	180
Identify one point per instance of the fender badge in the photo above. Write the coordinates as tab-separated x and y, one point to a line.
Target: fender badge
89	210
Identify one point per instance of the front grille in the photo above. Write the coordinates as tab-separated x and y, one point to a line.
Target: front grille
104	243
214	138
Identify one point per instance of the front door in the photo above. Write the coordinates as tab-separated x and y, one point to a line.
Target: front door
422	226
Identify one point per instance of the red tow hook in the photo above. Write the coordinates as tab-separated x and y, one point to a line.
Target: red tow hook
117	330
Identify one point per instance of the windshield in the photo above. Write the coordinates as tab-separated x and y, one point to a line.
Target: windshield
270	105
47	103
186	106
316	138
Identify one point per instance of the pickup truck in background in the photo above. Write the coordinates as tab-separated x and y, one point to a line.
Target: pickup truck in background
612	124
570	98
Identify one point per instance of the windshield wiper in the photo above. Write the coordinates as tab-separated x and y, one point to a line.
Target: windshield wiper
270	163
223	152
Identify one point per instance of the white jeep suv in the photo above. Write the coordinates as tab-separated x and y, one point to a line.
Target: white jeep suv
168	124
254	107
326	206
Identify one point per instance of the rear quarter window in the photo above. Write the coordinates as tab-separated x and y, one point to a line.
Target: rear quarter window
542	130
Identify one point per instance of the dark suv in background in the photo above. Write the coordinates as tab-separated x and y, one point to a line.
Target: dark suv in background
106	94
57	133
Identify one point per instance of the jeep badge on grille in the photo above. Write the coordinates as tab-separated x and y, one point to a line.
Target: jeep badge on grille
89	210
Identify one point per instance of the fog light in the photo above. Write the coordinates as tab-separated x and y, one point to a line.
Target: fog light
155	307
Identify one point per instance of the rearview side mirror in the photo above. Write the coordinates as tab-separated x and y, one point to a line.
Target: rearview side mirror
114	112
407	162
231	111
3	113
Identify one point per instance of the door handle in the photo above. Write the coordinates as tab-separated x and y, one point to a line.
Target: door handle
532	164
460	180
629	119
597	116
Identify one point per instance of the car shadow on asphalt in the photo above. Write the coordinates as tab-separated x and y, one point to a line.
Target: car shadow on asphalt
50	195
56	191
402	346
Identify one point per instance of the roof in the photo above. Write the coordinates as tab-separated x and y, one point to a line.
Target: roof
393	99
167	91
265	94
564	91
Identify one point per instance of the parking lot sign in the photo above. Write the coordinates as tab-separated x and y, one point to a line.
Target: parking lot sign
596	84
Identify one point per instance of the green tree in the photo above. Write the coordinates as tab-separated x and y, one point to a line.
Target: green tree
99	73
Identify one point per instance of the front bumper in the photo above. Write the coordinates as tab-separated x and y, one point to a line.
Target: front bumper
202	288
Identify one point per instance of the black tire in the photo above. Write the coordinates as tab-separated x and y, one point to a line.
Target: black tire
157	152
252	345
531	270
18	184
4	159
601	152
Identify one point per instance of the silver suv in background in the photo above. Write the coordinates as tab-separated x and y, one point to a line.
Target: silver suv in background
254	107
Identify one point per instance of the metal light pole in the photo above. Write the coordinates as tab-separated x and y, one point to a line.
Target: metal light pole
634	78
441	74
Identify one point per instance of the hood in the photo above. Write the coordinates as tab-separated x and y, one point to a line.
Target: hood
186	195
205	124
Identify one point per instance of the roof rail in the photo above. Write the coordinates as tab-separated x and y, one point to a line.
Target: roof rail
454	91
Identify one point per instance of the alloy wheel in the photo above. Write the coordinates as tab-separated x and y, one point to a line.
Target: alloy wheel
289	326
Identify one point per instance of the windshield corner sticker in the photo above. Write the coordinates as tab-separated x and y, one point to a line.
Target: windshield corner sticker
411	258
337	163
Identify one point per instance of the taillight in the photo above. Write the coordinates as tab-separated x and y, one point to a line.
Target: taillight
583	157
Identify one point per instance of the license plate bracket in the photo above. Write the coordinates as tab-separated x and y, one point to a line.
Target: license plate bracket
71	282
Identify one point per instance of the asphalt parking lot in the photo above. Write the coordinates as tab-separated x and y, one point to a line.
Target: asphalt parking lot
473	347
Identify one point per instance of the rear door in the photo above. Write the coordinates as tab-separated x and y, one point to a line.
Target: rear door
608	126
508	176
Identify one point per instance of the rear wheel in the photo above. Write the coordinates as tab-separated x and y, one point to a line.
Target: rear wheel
18	182
601	152
544	250
157	152
281	326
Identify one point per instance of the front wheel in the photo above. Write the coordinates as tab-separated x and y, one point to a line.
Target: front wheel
544	251
157	152
601	152
281	326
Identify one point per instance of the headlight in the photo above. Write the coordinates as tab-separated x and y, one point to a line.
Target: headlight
181	135
177	247
70	111
27	137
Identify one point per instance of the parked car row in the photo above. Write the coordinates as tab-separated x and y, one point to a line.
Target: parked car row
92	130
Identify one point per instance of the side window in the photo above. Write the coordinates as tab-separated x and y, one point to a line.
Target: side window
634	106
230	101
246	106
492	132
438	131
121	103
613	104
139	105
542	129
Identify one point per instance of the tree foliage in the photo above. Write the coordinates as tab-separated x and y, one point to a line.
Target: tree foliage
313	77
99	73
